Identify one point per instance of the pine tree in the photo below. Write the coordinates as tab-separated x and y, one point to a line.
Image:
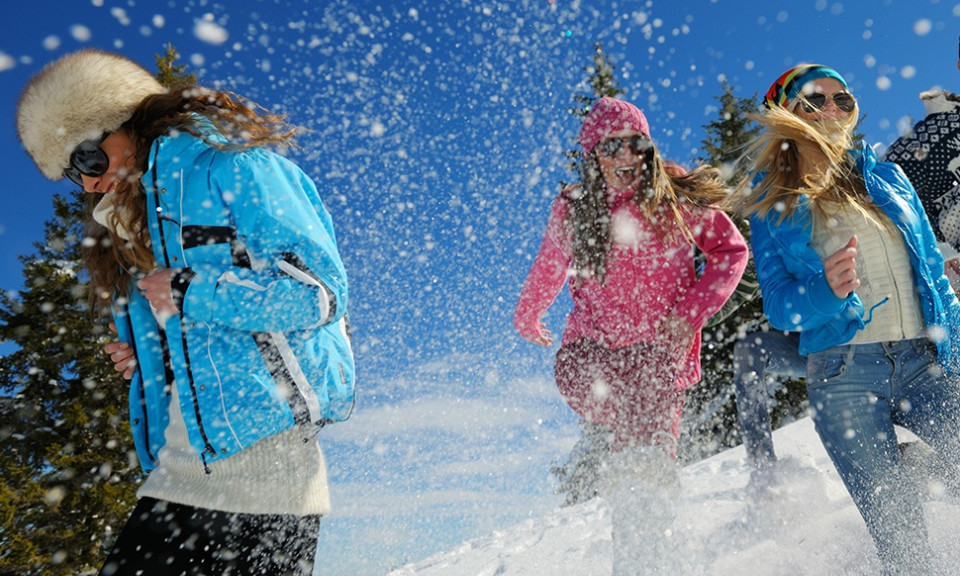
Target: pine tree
68	468
727	138
603	83
578	475
710	416
172	75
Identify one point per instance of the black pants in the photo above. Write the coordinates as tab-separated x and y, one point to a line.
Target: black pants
162	538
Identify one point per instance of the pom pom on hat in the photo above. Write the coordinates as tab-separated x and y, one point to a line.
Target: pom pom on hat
77	98
790	83
609	115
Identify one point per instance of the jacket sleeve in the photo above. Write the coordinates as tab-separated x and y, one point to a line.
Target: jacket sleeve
898	178
792	300
547	275
935	267
726	256
291	277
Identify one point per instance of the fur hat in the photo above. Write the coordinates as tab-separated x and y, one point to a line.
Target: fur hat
936	101
77	98
609	115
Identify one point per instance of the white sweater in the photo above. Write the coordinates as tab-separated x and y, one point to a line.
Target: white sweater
883	267
280	474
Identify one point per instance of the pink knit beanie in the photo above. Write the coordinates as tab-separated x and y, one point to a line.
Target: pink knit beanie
607	116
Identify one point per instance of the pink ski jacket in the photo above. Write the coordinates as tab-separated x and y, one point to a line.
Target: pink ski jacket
647	278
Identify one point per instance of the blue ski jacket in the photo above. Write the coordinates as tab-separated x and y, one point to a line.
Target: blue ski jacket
261	343
796	296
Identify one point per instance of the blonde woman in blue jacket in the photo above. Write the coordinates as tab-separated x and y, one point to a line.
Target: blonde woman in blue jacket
845	255
219	263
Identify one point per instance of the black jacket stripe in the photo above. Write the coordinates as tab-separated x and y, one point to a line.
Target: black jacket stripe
194	236
167	360
183	328
281	375
193	386
158	208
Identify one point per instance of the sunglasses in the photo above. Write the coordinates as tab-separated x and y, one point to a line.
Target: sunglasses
638	144
87	159
844	101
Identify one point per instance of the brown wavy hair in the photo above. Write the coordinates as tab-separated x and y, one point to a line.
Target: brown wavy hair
665	194
114	263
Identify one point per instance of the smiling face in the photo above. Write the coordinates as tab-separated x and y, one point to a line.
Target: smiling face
625	169
120	151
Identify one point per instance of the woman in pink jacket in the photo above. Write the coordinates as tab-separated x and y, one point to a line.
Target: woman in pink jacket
624	239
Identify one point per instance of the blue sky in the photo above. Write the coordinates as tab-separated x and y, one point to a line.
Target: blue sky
437	128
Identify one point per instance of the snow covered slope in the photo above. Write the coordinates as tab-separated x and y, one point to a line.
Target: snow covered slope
805	525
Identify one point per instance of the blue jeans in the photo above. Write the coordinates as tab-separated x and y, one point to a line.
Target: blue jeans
758	358
857	393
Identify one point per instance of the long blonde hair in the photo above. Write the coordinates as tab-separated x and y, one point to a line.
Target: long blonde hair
666	193
776	156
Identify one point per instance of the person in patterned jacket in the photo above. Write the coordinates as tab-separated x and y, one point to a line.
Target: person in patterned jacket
930	156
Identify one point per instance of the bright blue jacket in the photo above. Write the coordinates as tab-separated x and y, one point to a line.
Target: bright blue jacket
796	295
261	343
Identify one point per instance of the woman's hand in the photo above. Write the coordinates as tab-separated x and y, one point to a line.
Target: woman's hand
840	270
951	268
542	336
122	356
156	289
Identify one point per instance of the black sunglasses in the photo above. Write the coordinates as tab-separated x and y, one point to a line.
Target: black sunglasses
844	101
87	159
638	144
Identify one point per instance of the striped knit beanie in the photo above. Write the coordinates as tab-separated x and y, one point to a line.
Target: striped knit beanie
790	83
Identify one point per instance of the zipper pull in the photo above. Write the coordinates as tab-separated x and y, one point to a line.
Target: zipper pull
203	456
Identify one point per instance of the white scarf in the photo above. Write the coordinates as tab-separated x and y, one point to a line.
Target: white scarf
103	214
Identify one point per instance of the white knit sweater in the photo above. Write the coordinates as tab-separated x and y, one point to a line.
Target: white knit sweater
883	267
281	474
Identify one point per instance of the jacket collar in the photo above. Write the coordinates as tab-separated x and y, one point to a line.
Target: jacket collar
865	157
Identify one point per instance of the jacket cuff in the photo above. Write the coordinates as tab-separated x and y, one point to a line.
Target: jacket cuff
822	297
178	286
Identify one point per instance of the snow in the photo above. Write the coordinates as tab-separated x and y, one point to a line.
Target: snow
805	524
209	31
437	136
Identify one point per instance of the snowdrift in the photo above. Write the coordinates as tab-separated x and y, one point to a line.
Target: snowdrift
805	524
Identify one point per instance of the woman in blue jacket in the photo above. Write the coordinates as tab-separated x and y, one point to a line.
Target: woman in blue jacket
219	264
845	255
